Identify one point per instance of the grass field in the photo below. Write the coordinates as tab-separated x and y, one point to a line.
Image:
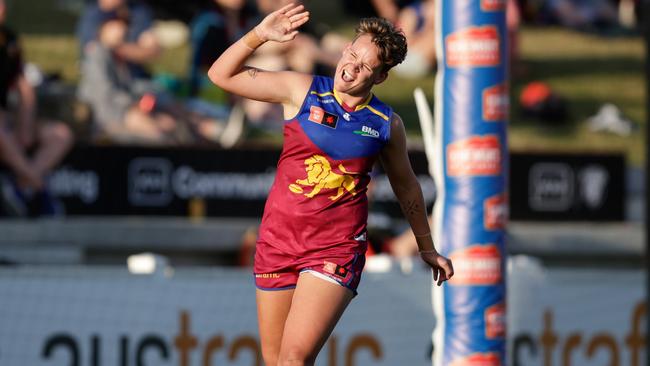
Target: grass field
587	70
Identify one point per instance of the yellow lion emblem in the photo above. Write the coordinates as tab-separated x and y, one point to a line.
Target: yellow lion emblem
320	176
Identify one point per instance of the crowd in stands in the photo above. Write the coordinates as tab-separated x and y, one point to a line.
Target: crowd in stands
30	146
128	105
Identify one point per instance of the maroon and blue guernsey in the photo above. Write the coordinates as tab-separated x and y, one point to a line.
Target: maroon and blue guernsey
317	206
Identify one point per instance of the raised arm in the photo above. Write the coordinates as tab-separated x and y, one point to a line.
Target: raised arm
230	74
394	158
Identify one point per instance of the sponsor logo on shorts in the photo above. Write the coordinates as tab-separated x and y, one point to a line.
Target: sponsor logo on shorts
334	269
479	359
476	155
318	115
320	175
267	275
495	321
367	131
361	237
474	46
495	212
496	103
493	5
477	265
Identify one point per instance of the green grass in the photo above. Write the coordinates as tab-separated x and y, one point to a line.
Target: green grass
53	54
43	16
587	70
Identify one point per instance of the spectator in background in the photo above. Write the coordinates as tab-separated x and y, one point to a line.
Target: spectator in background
31	148
140	46
212	31
130	110
417	20
224	22
108	86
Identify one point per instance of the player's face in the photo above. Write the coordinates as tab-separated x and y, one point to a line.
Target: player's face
359	68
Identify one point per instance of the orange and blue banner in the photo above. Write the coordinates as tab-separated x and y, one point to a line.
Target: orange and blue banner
470	214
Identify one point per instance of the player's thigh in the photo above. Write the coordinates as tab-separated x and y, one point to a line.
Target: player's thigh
272	310
316	308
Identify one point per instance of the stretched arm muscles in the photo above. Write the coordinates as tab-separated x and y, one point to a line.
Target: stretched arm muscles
229	73
394	158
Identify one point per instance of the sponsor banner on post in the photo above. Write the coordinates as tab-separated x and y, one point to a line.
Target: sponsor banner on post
472	207
496	103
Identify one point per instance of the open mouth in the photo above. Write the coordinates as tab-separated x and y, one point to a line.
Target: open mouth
346	76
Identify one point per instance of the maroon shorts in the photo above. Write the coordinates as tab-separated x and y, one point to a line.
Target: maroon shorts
276	270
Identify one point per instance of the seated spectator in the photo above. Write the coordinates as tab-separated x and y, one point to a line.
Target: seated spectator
24	175
212	31
417	20
130	110
140	43
31	148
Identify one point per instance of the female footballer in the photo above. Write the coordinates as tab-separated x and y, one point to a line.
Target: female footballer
312	240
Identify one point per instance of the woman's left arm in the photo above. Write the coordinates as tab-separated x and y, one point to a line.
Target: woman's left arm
394	158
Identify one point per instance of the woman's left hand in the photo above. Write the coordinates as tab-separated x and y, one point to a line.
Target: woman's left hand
441	266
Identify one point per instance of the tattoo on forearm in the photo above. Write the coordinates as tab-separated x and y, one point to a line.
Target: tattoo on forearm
411	208
252	72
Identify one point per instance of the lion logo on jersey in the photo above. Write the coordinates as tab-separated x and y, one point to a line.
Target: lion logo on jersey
320	176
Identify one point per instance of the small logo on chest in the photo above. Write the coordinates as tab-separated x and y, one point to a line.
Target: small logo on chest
320	116
367	131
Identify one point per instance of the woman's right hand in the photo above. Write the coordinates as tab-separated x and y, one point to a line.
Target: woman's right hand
281	25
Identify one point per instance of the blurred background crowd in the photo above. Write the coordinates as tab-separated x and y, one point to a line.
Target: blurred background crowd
120	72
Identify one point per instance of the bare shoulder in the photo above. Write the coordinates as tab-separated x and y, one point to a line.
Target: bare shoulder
396	127
300	85
396	121
297	86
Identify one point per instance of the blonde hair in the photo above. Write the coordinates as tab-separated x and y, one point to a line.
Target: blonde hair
390	40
